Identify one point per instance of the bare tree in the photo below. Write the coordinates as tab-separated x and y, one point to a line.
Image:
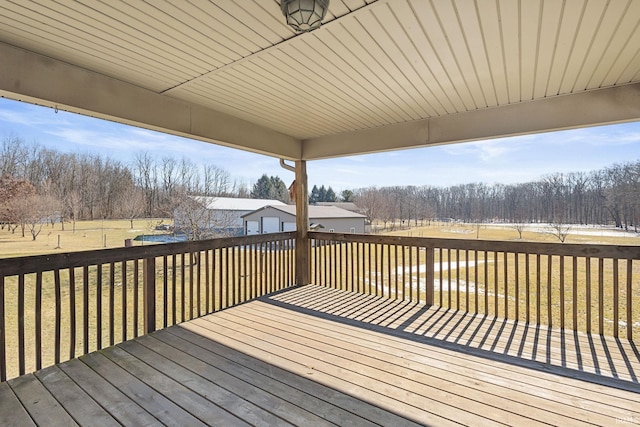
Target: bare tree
519	227
370	201
132	205
560	230
74	202
13	206
194	216
215	181
40	210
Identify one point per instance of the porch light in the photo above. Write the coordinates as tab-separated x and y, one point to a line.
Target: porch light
304	15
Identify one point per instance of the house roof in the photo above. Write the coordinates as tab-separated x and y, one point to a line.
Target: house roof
236	204
315	212
378	75
350	206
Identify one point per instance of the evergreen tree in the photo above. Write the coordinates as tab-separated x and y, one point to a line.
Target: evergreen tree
279	190
322	194
314	197
346	196
270	188
263	188
330	195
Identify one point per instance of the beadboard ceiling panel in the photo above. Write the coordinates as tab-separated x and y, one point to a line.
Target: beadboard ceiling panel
371	65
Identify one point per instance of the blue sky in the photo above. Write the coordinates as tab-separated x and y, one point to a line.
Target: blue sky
505	160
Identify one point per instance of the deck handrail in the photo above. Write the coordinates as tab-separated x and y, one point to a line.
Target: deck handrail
120	293
592	288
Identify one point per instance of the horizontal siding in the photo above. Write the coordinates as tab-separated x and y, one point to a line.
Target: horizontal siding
372	63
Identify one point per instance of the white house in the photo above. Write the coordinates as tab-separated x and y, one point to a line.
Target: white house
220	215
274	219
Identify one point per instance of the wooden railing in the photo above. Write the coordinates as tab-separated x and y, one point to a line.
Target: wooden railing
590	288
57	307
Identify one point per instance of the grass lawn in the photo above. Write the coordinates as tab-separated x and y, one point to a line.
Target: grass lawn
88	235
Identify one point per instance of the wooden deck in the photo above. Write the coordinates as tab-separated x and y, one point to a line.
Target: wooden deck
316	356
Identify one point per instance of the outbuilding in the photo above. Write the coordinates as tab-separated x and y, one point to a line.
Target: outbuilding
275	219
221	215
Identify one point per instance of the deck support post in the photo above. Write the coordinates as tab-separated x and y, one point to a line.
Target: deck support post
302	224
149	295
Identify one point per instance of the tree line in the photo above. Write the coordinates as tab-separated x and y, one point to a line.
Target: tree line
607	196
39	185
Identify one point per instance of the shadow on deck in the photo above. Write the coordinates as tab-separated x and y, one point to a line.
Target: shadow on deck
317	356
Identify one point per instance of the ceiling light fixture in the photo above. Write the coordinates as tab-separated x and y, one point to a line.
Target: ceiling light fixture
304	15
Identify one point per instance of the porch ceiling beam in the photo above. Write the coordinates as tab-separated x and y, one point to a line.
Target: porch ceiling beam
30	77
598	107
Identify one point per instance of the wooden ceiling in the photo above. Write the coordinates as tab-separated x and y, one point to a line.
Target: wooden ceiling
378	75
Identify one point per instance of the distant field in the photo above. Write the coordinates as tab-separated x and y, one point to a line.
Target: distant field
88	235
534	233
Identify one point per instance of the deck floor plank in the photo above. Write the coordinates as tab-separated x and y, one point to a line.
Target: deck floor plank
541	390
603	355
43	408
162	408
318	356
75	401
306	366
235	397
152	372
12	413
125	410
328	402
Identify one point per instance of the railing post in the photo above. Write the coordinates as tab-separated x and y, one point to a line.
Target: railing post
149	295
430	275
3	350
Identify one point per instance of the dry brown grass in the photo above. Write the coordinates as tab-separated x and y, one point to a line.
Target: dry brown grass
88	235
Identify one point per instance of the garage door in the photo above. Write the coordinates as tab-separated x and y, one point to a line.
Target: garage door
270	224
288	226
253	227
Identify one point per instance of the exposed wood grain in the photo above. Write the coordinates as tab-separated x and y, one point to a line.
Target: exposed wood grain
247	400
325	401
307	367
136	390
149	370
12	413
42	407
83	409
123	409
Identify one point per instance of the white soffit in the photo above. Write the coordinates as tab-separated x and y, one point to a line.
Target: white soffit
393	65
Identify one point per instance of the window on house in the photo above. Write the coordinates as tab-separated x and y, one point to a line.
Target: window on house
352	230
331	230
